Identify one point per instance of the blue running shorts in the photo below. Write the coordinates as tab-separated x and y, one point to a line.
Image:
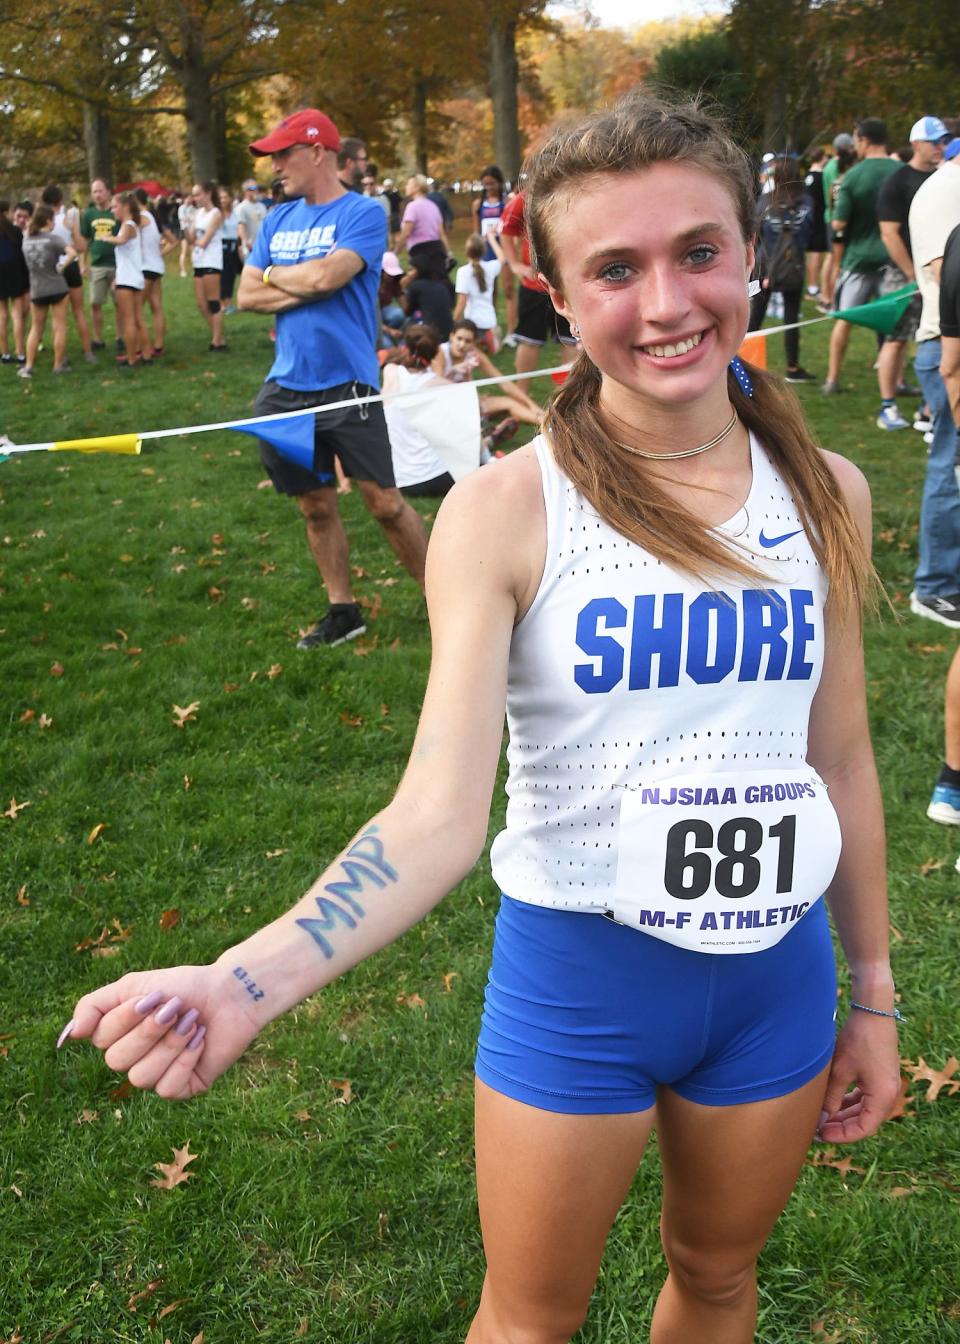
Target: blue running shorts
588	1017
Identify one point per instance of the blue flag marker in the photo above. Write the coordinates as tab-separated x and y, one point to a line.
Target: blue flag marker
292	438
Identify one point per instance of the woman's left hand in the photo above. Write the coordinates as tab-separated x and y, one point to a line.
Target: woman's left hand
864	1079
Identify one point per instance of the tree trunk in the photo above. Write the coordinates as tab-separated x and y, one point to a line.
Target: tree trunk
503	92
198	102
97	143
219	133
418	124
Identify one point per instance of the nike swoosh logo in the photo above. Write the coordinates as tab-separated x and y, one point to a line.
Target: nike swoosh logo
767	542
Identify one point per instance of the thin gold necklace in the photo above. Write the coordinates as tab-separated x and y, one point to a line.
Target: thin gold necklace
689	452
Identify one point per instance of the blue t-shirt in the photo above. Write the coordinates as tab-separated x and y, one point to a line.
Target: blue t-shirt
331	340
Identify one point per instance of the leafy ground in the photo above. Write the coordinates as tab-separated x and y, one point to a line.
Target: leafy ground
331	1194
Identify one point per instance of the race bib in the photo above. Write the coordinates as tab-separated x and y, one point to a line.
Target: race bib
725	862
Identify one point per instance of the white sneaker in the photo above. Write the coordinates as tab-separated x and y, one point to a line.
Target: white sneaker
890	418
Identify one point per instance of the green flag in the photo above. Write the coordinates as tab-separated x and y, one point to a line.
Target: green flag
882	314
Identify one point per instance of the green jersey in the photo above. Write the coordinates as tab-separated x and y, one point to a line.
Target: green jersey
856	208
94	225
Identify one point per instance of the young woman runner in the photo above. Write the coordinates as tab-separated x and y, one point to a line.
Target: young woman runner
66	227
487	212
474	288
232	265
459	358
46	259
157	241
14	289
205	234
665	590
129	282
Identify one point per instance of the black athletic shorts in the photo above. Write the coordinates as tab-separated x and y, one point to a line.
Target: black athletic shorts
355	434
47	300
538	320
152	275
73	275
200	271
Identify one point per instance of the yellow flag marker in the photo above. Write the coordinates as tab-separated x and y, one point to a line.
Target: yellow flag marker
111	443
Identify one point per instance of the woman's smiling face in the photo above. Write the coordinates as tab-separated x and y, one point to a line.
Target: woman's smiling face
653	268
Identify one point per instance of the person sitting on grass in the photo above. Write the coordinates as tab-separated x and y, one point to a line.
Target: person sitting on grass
459	358
46	258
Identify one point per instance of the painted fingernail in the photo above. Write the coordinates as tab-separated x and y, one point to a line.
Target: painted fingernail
168	1012
149	1001
187	1021
195	1041
65	1033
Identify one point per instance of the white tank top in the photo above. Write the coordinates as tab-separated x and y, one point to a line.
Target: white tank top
211	256
627	676
150	242
130	261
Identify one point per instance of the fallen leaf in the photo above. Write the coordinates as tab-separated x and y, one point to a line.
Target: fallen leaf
45	721
87	1117
448	980
231	686
931	866
249	603
352	721
169	919
395	645
22	898
820	1333
896	933
56	669
901	1109
887	536
27	715
275	853
827	1157
187	715
930	648
363	647
345	1088
173	1172
111	950
921	1072
175	639
383	1220
411	1001
302	1116
268	567
165	1311
187	783
97	831
359	573
901	1191
121	1092
274	670
302	1328
372	605
15	809
198	1339
215	594
144	1293
264	485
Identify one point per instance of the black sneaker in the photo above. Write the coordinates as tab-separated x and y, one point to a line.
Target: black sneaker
946	610
98	345
799	375
342	622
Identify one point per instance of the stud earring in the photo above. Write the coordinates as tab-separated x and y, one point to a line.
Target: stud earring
574	331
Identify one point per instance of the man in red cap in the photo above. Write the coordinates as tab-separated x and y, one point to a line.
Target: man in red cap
315	266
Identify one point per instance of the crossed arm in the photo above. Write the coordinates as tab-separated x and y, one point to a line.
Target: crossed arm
302	282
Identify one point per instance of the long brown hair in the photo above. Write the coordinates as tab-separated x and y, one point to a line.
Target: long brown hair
637	132
475	250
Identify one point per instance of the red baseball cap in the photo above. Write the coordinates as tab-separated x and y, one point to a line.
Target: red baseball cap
308	127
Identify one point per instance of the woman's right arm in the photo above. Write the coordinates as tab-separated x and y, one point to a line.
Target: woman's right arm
394	870
127	231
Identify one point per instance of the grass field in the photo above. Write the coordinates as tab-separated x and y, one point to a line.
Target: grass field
130	585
